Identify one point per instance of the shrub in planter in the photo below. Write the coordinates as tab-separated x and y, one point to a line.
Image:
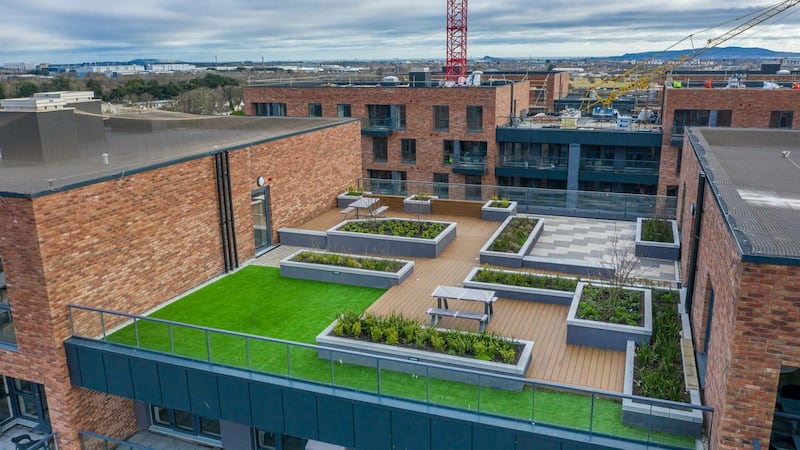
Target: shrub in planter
611	304
355	262
525	280
396	227
657	230
514	235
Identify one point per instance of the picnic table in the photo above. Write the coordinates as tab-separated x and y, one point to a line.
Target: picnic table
364	206
444	294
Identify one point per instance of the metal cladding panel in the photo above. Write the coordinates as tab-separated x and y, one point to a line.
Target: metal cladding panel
146	386
413	431
267	406
204	394
118	375
452	435
234	396
491	438
73	366
525	441
569	136
300	413
174	388
93	374
372	426
335	421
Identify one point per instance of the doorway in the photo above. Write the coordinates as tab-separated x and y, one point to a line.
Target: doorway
262	225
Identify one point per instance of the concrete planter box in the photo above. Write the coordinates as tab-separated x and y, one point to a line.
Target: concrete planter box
343	200
511	259
364	243
297	237
609	336
344	275
520	292
497	214
412	206
659	250
675	420
370	350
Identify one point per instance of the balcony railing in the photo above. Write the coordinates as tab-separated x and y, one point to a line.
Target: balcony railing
533	163
590	411
619	166
381	123
542	201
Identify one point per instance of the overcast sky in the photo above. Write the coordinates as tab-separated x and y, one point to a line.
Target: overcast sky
60	31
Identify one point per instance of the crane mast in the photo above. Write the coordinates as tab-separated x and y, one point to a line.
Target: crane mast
456	61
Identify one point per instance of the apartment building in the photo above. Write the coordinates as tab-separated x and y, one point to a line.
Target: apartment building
739	214
126	213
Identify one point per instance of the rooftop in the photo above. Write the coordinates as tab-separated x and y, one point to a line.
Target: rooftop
754	175
134	142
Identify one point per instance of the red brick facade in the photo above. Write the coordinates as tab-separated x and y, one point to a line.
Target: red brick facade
131	243
499	105
754	331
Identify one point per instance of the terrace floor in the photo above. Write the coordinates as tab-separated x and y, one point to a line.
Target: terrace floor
544	324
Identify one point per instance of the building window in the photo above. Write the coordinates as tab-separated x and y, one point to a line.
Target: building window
474	118
441	117
7	334
780	119
343	110
270	109
379	116
185	422
399	112
441	185
448	152
380	149
408	151
700	118
472	190
314	110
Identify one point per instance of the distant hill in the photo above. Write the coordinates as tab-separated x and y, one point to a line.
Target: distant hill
714	53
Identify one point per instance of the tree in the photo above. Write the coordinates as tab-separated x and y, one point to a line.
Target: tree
59	84
27	89
95	86
2	90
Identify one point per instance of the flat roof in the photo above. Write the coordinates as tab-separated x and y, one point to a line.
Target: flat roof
137	142
755	176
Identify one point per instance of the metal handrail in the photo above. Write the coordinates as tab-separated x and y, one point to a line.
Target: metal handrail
479	374
111	440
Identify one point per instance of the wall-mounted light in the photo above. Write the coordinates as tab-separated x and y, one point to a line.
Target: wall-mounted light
260	181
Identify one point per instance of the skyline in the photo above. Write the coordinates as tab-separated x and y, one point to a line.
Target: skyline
50	31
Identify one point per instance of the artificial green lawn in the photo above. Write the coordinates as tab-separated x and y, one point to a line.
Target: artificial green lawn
257	300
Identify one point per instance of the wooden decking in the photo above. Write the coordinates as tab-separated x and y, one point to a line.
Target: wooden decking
545	325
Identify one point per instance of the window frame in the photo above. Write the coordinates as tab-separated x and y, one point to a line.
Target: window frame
408	151
474	118
378	149
315	110
441	117
344	110
781	119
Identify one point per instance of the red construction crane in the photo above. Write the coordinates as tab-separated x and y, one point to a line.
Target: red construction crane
456	64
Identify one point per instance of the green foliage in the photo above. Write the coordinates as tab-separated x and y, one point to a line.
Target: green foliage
2	90
95	86
136	88
238	113
397	227
356	262
27	89
422	197
525	279
58	84
514	235
396	329
657	230
500	202
355	191
612	305
658	369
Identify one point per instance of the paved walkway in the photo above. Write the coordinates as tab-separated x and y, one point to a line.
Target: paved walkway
16	430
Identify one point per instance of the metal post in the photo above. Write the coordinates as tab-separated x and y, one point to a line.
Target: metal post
136	331
591	413
171	340
71	323
288	361
427	384
247	351
103	325
378	367
208	345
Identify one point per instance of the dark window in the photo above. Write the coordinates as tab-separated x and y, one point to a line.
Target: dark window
408	151
185	422
474	118
448	152
472	190
392	182
441	118
400	115
441	187
380	148
781	119
314	110
343	110
7	334
270	109
700	118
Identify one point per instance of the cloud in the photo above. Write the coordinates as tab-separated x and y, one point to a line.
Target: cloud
202	30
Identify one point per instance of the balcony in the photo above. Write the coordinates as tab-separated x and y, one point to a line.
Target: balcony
380	126
614	170
676	138
469	165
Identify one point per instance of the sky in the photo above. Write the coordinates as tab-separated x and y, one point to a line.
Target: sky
59	31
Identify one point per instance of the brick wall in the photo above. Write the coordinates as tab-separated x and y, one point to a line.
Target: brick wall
129	244
419	102
753	328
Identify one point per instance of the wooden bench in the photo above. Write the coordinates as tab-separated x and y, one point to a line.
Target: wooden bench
437	313
379	212
346	211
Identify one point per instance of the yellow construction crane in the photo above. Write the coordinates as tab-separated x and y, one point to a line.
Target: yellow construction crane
641	74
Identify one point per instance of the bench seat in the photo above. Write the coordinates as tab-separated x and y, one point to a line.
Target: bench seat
437	313
346	211
379	212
